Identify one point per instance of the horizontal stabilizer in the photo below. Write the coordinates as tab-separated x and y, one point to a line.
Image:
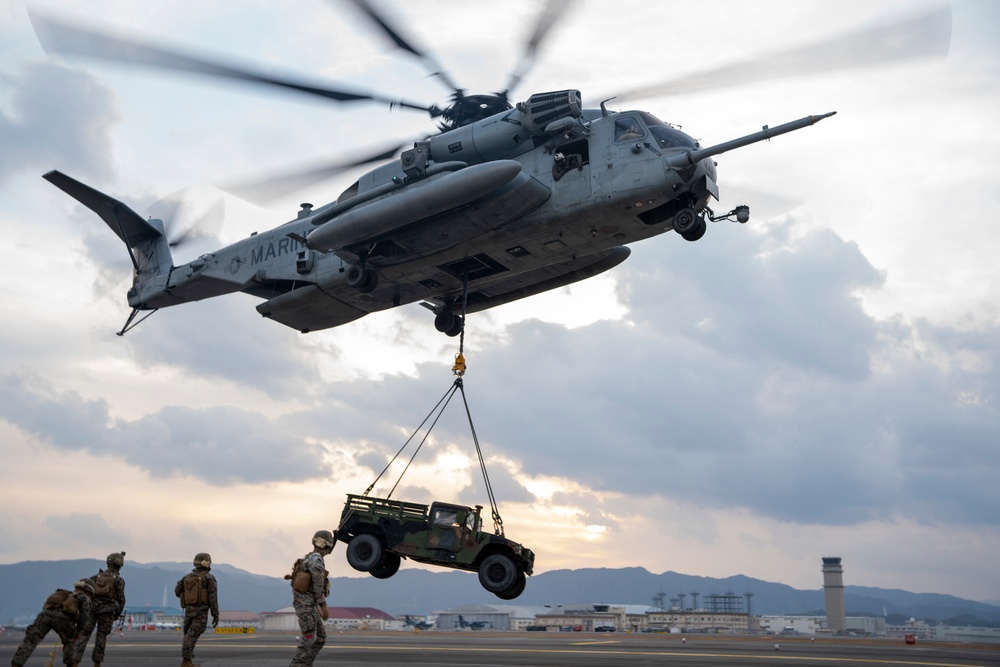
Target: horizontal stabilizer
122	220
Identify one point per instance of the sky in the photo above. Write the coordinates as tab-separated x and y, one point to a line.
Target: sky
822	381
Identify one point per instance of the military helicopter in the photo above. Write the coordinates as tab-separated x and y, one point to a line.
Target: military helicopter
506	201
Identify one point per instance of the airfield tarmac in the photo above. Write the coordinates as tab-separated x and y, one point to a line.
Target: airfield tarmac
541	649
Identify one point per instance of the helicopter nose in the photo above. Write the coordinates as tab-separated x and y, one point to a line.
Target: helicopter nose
704	182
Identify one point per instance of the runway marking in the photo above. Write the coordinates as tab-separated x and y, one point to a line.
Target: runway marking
763	655
766	655
606	641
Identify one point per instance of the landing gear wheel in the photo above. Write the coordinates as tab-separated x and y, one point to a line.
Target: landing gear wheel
685	220
696	232
364	552
497	573
370	282
445	322
456	328
355	275
362	278
387	567
516	589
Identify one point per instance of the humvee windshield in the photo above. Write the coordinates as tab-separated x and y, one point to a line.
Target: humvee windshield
445	517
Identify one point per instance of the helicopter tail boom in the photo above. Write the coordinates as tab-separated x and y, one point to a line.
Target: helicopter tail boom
147	245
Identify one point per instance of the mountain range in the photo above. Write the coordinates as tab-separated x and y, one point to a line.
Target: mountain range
25	586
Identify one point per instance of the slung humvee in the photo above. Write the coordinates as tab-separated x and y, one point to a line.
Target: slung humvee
380	532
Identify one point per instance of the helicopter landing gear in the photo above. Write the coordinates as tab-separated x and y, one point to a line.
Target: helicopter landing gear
689	224
697	232
362	278
448	323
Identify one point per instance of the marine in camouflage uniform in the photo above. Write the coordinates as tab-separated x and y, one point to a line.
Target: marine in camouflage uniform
196	613
89	620
107	608
55	617
310	607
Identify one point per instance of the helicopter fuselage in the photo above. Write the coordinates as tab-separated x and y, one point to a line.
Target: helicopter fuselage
524	201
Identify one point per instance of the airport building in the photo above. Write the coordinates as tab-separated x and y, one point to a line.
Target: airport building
501	617
341	618
869	626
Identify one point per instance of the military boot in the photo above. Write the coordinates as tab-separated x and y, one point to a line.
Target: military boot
187	663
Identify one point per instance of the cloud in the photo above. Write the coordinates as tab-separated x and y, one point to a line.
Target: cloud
57	118
85	529
219	444
822	421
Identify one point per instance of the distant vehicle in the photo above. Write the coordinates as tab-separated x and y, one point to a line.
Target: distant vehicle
167	626
380	532
472	625
605	628
417	625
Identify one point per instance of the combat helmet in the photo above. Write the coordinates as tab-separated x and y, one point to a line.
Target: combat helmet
116	561
324	540
203	560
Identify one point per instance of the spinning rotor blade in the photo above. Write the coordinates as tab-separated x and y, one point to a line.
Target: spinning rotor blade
190	214
57	37
400	41
265	190
550	14
912	37
206	226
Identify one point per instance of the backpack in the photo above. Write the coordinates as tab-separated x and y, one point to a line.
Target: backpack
104	584
195	591
301	578
64	601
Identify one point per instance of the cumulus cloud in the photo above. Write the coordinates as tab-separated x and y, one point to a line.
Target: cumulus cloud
219	444
752	379
57	118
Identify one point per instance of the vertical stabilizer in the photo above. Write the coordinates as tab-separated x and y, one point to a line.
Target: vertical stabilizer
145	240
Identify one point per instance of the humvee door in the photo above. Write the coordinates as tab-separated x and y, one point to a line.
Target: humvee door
449	527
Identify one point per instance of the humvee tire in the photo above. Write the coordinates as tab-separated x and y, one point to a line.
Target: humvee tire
364	552
497	573
388	566
515	590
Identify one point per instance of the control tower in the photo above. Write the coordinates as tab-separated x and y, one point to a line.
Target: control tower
833	587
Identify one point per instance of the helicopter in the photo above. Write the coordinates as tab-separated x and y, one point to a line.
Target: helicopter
506	201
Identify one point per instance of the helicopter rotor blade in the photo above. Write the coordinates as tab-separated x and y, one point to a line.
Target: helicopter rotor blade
58	37
549	16
429	62
205	226
913	36
190	214
263	190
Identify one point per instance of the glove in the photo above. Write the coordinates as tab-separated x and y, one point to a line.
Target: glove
215	621
324	612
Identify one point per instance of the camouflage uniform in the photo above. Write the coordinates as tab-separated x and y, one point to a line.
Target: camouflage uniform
106	611
87	622
306	609
196	615
67	627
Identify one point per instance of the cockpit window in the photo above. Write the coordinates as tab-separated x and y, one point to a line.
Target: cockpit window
668	137
627	128
665	135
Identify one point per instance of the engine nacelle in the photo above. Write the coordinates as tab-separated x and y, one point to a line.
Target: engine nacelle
508	134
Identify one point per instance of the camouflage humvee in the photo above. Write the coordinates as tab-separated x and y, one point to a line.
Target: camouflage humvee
380	532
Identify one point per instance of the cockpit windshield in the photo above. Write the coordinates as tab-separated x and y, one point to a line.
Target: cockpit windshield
666	136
